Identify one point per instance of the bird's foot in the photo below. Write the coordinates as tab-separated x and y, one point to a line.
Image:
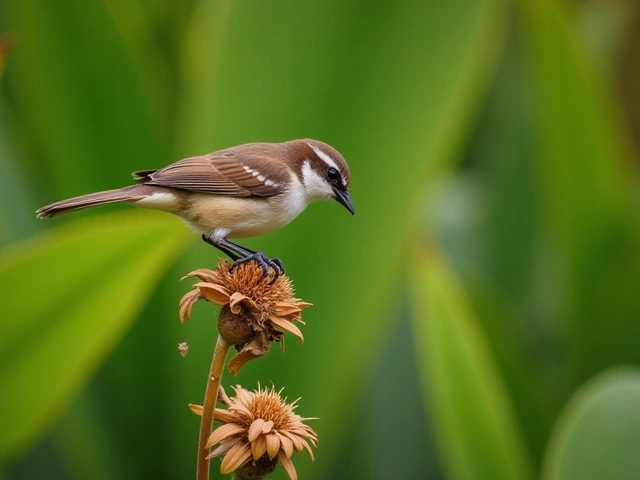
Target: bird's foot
264	262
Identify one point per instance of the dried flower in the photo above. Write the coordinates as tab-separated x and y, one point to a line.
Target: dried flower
258	429
183	348
254	310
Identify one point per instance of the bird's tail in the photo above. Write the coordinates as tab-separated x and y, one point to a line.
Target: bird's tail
126	194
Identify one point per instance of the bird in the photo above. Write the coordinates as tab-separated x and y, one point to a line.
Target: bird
238	192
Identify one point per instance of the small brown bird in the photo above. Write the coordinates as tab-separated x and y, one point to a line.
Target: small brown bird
237	192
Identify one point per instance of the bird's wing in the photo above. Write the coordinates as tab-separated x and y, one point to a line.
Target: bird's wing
221	174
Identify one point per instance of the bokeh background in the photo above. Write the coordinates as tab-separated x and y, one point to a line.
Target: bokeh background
478	318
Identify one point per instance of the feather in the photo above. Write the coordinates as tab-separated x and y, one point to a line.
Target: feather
245	171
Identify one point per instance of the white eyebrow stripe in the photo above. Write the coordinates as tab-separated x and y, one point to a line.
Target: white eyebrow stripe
326	158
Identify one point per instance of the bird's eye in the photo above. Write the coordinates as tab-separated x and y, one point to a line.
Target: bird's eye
333	175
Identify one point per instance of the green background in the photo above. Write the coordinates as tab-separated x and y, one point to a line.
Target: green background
478	318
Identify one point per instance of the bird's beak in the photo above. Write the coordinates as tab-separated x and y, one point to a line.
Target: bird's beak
344	199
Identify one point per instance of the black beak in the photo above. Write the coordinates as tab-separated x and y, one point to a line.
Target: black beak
342	197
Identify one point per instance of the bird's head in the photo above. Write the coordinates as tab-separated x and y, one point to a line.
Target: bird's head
323	171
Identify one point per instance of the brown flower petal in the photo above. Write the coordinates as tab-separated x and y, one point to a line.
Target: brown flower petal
238	298
222	396
241	411
235	458
186	304
214	293
288	466
267	426
285	308
255	429
289	326
292	438
203	274
273	444
223	448
259	447
302	432
287	445
297	443
243	395
197	409
223	416
224	431
258	347
307	448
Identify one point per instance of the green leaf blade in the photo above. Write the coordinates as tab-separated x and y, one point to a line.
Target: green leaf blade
87	114
62	320
598	434
474	422
586	200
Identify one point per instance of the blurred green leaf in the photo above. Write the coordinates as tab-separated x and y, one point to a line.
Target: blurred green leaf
152	67
582	144
68	297
535	401
474	421
16	203
598	434
585	195
89	118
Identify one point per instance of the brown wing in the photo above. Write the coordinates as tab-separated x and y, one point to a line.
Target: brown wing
221	174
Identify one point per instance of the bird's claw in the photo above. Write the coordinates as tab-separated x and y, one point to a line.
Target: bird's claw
276	264
264	262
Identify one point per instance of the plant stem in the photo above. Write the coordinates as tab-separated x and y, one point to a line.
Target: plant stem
209	405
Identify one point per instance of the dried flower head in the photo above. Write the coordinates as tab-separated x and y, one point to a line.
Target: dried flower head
254	310
183	348
258	429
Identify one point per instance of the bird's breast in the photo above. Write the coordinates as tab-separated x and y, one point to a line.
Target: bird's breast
239	217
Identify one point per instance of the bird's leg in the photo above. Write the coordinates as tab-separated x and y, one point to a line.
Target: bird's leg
232	255
240	254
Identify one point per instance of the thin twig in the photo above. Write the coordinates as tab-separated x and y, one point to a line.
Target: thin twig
209	405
